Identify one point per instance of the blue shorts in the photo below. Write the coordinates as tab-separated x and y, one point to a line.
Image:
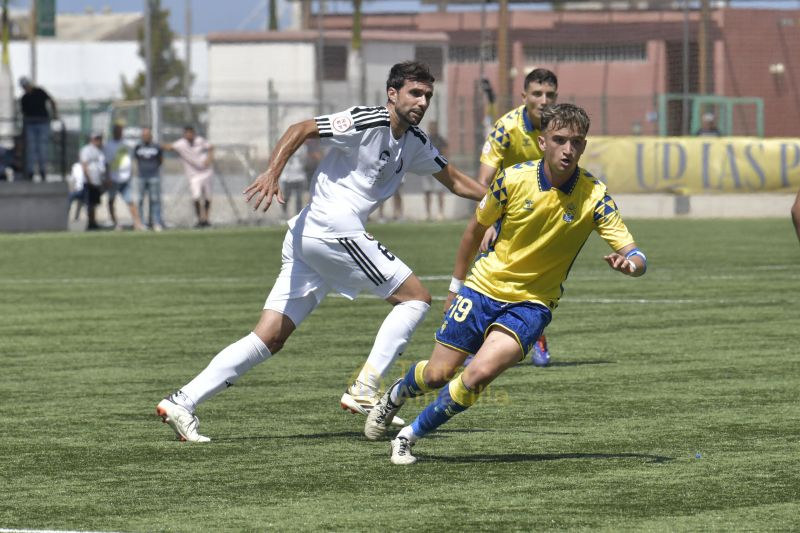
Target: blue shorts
124	189
467	321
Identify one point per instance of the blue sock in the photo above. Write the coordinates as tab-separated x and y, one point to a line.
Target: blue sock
411	386
439	411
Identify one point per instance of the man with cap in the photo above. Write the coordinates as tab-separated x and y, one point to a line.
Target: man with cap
36	126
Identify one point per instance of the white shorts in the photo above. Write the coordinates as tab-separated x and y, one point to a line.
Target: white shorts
312	267
200	188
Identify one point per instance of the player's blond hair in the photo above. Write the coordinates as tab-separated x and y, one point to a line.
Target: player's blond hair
559	116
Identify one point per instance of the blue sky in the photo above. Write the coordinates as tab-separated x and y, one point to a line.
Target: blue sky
251	14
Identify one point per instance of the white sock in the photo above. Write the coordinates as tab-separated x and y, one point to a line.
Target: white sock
392	339
409	434
223	371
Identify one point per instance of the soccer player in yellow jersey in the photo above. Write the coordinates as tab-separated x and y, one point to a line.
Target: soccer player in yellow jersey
512	140
548	208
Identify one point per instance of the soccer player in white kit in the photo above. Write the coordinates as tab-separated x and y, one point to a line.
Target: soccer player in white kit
327	249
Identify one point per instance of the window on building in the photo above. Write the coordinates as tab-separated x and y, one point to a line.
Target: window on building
472	53
334	63
433	56
585	53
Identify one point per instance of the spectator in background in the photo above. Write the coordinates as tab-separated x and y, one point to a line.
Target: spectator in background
120	168
796	215
197	155
293	182
77	192
429	184
36	125
149	157
93	163
708	126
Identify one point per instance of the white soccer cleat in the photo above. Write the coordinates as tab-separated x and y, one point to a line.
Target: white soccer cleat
401	452
382	416
184	423
360	398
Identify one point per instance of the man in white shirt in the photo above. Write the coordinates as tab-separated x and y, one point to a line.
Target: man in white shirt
93	164
327	249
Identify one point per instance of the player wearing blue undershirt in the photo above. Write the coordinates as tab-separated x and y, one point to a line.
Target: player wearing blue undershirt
548	208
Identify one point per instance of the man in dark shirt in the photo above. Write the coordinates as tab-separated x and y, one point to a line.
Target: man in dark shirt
36	125
149	157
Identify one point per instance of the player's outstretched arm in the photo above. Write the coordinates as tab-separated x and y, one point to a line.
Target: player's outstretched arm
628	260
460	184
486	174
265	187
796	215
467	248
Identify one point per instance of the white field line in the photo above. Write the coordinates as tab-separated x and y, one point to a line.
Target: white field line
253	280
5	530
584	300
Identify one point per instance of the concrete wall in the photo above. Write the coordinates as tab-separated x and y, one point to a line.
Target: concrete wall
242	72
27	206
91	70
751	41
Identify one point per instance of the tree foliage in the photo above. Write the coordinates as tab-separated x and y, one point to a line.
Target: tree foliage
167	70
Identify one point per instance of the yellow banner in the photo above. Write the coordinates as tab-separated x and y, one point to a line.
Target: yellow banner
693	165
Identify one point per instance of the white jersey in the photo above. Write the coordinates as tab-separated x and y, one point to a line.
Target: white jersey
364	166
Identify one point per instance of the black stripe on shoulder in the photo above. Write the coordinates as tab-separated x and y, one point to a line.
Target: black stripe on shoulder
419	134
370	117
377	123
360	111
441	161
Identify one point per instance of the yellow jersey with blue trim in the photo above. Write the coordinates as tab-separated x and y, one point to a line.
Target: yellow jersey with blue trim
541	229
511	141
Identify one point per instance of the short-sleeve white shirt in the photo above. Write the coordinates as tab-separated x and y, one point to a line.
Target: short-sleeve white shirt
95	161
364	166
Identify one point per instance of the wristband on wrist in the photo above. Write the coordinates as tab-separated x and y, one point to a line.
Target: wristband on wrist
641	255
456	284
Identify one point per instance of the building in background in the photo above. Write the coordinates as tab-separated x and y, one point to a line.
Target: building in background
91	52
261	82
622	64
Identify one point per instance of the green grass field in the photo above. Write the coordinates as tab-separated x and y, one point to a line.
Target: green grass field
672	403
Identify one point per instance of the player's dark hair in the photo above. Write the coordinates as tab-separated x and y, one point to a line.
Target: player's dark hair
559	116
188	127
408	71
541	75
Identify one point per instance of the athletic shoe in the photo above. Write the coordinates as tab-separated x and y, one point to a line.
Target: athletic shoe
184	423
360	398
382	415
401	452
541	355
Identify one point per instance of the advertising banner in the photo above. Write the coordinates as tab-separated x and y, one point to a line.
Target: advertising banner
694	165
